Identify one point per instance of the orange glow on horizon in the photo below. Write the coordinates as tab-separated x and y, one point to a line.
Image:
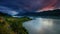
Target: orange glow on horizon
51	5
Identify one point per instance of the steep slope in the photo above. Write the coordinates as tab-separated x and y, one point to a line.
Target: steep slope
44	13
12	25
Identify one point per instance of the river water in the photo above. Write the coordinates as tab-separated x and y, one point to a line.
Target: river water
41	25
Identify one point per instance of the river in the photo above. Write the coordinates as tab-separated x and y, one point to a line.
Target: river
41	25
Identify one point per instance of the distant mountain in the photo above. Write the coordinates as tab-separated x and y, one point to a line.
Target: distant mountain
44	13
4	14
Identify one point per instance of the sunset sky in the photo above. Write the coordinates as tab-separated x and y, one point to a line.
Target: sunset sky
21	6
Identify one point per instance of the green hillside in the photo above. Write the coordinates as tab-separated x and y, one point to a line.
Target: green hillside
12	25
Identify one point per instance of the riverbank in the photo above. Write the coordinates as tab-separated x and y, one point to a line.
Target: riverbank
12	25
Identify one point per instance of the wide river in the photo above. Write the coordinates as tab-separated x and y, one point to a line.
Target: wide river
41	25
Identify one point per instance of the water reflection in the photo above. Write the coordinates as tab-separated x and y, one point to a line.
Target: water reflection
43	26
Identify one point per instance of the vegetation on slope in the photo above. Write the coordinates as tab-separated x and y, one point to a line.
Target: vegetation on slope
12	25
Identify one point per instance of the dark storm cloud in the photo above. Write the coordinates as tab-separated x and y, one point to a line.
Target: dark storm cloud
58	4
30	5
7	10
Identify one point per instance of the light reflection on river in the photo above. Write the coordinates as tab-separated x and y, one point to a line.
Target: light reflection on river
43	26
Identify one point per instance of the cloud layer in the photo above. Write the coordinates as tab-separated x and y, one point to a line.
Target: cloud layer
7	10
30	5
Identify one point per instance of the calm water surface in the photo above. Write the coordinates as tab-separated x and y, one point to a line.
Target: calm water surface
41	25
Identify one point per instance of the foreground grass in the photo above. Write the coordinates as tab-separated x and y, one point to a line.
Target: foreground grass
11	25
